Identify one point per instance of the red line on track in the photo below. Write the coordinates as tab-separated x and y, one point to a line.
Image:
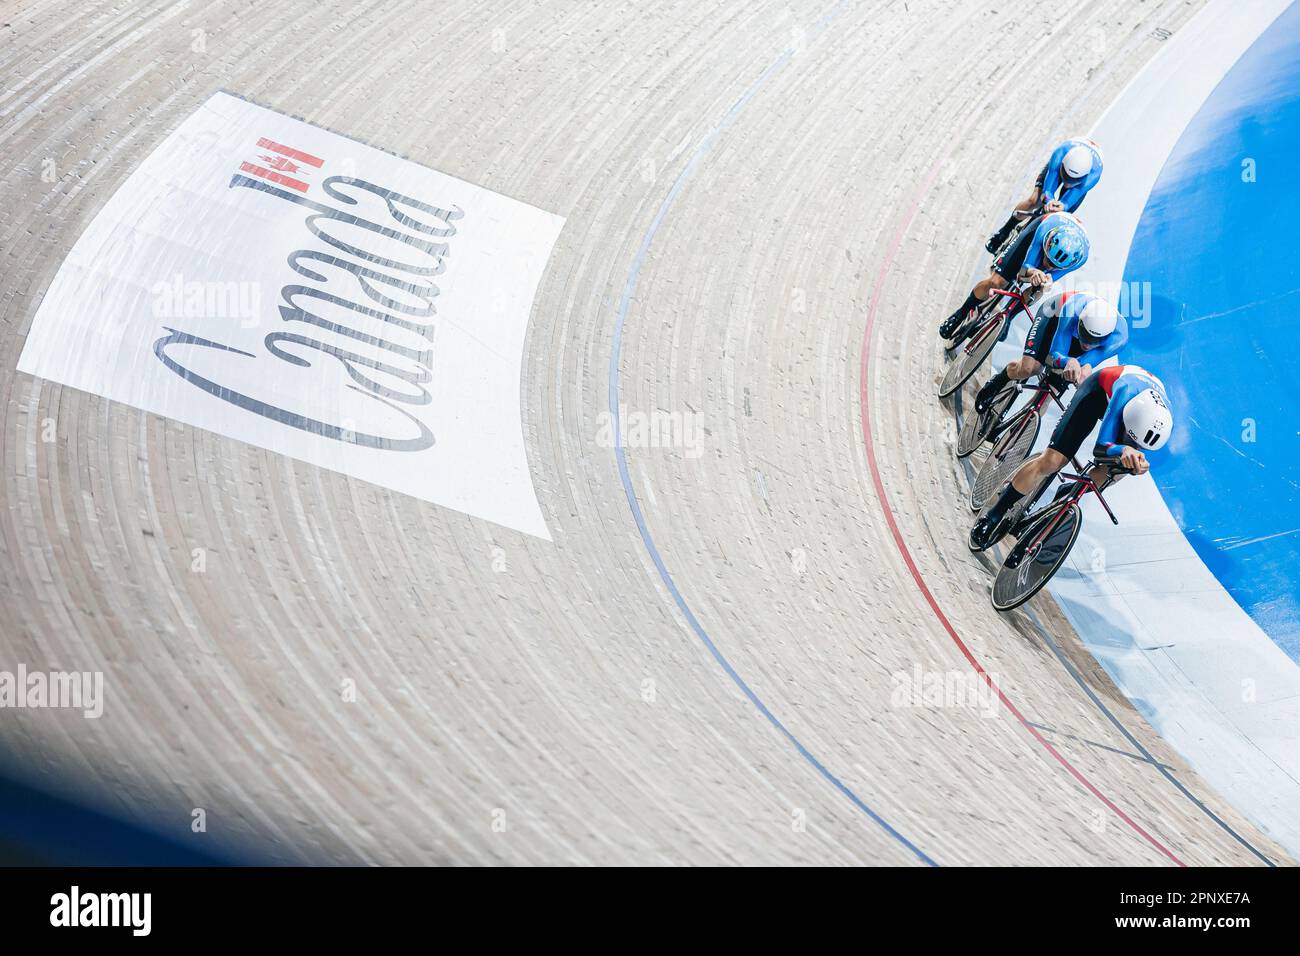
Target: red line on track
865	408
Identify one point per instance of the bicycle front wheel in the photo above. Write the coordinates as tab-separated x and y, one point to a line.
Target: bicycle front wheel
1036	557
1009	453
975	428
969	359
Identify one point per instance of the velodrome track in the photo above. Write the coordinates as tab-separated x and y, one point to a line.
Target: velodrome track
769	207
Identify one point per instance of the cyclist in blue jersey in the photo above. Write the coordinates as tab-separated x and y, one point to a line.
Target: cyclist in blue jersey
1070	172
1133	409
1073	333
1053	246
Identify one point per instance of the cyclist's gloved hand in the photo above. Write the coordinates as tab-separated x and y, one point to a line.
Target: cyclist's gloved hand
1134	460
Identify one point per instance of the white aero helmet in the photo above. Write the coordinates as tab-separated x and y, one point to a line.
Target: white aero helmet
1097	320
1147	420
1077	162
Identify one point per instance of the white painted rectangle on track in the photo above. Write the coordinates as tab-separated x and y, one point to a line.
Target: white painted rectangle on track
286	286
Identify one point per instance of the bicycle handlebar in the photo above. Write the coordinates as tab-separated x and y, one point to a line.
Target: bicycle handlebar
1017	292
1113	464
1113	468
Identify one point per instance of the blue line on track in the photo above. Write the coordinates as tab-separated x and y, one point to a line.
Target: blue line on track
620	453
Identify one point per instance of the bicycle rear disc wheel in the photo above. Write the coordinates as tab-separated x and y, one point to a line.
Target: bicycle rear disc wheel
975	428
1035	561
968	361
1008	454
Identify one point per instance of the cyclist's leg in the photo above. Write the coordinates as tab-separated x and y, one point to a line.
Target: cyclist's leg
994	241
1030	479
983	289
1027	206
1036	345
1082	415
1036	470
1023	368
1038	342
1005	269
1009	264
1019	212
1036	197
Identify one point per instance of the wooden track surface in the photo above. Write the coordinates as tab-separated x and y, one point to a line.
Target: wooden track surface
504	678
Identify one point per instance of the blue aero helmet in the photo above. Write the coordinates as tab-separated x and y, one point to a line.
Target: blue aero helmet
1066	245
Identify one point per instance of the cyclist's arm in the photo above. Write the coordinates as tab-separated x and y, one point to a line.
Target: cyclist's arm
1112	429
1034	258
1034	255
1125	460
1108	347
1052	177
1058	353
1072	198
1093	357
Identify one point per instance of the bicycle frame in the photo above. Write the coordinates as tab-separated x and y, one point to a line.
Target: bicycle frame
1083	485
1000	316
1016	294
1044	390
